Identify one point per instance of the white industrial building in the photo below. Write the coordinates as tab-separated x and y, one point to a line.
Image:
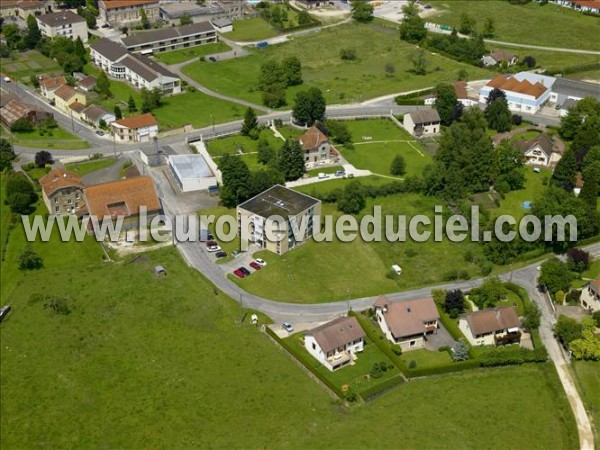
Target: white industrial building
191	172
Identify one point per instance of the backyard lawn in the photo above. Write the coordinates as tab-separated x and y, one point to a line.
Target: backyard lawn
513	202
377	142
85	167
587	377
185	54
532	23
341	81
58	138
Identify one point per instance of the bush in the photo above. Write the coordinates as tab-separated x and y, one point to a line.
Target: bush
30	260
412	364
510	355
348	54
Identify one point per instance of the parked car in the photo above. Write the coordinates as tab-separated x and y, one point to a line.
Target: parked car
322	176
245	271
255	265
340	173
221	254
4	311
6	79
238	273
212	58
213	248
100	133
350	175
262	262
287	327
211	243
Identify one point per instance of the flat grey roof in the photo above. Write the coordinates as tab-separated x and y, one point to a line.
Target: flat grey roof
280	201
574	88
190	166
221	22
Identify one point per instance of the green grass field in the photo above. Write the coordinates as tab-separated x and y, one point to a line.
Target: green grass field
377	142
513	202
547	25
23	65
85	167
587	377
340	81
185	54
328	271
58	139
251	30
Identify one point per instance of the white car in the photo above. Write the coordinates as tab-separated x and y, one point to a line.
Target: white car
6	80
262	262
213	248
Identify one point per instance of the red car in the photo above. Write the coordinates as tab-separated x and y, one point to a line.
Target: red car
238	273
255	265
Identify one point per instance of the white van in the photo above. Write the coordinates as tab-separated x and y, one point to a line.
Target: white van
323	176
396	268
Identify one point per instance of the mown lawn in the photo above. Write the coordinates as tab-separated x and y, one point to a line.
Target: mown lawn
341	81
53	138
85	167
251	30
512	204
587	377
376	144
532	23
185	54
328	271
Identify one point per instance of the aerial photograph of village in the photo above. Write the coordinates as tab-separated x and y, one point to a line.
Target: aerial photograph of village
300	224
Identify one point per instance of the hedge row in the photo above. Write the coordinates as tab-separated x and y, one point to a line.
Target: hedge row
416	93
375	390
449	324
575	69
305	363
377	337
509	355
448	368
409	101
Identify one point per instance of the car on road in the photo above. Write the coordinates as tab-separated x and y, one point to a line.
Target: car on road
287	327
261	261
4	311
221	254
6	79
255	265
213	248
340	173
238	273
100	133
245	271
212	58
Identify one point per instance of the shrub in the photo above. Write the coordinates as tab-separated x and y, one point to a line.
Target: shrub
412	364
559	297
348	54
30	260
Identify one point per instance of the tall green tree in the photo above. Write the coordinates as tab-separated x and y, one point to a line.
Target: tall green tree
555	275
309	106
291	160
362	11
263	179
445	102
131	106
467	24
412	28
235	174
292	70
419	61
34	34
144	19
398	166
304	18
80	50
489	28
118	112
250	125
565	172
352	200
103	84
7	154
12	35
498	115
511	170
265	153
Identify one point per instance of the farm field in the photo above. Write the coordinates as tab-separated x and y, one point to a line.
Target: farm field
532	23
185	54
27	63
341	81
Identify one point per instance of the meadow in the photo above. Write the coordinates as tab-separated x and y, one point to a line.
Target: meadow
185	54
49	139
587	378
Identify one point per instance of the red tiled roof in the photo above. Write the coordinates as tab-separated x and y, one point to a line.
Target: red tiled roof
65	92
52	82
77	107
507	83
588	3
88	81
112	4
122	197
460	89
312	138
595	284
59	178
134	122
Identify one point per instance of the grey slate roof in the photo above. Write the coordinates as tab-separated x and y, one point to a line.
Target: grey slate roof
109	49
167	33
279	200
424	116
95	112
60	18
573	88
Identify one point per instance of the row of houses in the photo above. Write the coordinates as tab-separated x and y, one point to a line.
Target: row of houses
408	324
170	38
591	6
23	8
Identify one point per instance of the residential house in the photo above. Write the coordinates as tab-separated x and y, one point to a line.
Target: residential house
263	210
138	70
141	128
171	12
422	123
49	84
77	110
14	109
316	146
94	114
407	323
127	12
63	23
222	25
499	57
23	8
170	38
62	191
462	96
590	296
128	198
87	84
539	151
493	326
335	344
525	92
65	96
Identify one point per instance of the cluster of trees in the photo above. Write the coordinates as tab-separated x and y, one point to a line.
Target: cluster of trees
465	50
30	260
468	25
7	154
466	161
362	11
22	40
447	104
20	194
70	55
309	106
276	14
555	276
89	13
151	99
276	76
579	337
454	303
489	294
497	114
103	85
412	28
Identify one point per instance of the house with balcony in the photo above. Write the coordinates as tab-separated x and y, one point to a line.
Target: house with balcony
136	69
336	343
170	38
539	151
63	23
590	296
288	213
493	326
407	323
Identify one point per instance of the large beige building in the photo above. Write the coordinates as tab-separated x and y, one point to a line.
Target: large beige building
126	12
259	213
63	23
62	191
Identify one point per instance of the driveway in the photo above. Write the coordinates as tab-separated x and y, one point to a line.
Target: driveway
440	339
105	175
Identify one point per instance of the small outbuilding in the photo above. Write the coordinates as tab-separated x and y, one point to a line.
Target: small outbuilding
222	25
191	172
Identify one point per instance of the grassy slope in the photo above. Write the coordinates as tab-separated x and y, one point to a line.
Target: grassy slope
185	54
83	168
251	30
587	375
340	81
547	25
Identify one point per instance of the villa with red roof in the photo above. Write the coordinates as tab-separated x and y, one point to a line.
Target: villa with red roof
141	128
525	92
